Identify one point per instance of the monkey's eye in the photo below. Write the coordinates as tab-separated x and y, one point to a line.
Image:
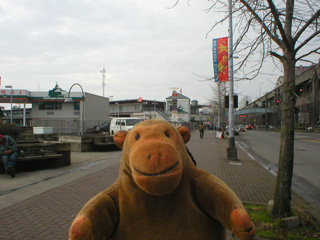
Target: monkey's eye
137	136
167	134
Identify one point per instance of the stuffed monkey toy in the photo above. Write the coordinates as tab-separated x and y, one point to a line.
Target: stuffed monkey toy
160	194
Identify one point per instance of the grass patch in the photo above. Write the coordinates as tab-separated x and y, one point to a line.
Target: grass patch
268	227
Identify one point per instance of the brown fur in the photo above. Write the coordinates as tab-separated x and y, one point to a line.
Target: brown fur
160	194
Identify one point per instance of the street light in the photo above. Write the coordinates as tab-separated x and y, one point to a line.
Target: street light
231	150
10	86
69	99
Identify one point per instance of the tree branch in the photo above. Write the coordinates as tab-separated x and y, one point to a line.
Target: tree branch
313	17
175	4
307	54
256	16
276	55
306	41
278	22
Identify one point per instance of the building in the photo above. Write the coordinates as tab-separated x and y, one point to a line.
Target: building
18	116
178	106
49	109
266	110
141	108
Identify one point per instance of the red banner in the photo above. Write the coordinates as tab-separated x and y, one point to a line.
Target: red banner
221	51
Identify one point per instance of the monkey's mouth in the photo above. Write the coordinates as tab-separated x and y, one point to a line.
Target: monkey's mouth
167	170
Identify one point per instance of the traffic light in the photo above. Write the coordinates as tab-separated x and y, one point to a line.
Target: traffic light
235	101
226	101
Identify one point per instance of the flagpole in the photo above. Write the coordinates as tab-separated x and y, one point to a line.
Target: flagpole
231	150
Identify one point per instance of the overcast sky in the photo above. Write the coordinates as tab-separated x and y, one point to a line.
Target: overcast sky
146	48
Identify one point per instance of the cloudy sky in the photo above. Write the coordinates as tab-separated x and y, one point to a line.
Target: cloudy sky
146	48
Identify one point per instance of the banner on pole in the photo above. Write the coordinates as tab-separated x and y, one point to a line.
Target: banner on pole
220	59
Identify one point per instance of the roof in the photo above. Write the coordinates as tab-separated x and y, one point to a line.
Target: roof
179	96
134	101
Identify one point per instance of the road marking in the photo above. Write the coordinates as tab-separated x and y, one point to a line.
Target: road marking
245	150
299	148
261	163
235	163
307	139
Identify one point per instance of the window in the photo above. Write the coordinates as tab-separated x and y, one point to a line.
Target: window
50	106
76	106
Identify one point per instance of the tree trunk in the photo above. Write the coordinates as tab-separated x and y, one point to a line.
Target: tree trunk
282	197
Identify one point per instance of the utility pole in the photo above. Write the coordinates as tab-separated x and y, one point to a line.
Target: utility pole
231	150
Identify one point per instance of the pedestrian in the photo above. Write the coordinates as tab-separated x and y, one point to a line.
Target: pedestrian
201	130
8	154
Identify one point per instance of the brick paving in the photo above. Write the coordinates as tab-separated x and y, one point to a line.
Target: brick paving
49	215
252	183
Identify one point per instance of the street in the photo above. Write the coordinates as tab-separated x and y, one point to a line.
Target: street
263	147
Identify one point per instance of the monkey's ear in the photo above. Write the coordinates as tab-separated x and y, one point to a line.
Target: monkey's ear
119	138
185	133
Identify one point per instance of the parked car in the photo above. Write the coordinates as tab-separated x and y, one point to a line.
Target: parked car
235	130
104	127
249	127
242	128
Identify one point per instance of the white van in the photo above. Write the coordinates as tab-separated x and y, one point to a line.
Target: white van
118	124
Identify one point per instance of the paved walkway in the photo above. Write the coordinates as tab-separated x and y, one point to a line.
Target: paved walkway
42	204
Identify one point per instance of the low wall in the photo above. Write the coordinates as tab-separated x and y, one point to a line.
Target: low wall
88	142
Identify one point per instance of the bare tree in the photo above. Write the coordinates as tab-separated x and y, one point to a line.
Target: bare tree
287	31
218	102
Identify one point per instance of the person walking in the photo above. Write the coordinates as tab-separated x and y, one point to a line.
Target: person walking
8	154
201	130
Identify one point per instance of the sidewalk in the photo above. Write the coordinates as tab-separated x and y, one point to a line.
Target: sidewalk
247	178
42	204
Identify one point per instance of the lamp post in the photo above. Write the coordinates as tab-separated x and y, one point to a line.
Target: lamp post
10	86
232	150
69	99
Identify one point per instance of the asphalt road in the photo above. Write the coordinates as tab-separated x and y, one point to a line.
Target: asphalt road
263	147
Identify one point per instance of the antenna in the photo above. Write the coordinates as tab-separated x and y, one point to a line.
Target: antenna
103	71
174	89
